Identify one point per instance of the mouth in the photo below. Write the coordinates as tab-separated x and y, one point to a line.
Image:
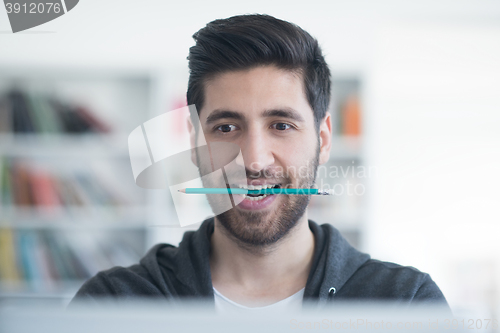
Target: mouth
256	197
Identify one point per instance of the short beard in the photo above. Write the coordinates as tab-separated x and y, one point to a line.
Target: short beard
243	227
255	240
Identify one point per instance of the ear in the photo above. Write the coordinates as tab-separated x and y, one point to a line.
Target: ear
325	138
192	139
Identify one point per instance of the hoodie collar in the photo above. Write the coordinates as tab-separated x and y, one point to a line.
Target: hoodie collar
334	261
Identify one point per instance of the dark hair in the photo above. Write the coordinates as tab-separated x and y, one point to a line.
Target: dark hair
246	41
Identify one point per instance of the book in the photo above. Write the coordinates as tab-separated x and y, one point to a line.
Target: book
21	116
5	116
54	255
71	268
32	262
67	195
71	121
21	185
77	264
96	124
23	251
5	197
19	258
44	263
8	262
80	191
43	114
44	191
351	117
34	113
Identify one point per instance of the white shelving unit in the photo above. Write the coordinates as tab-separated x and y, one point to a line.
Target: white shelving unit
343	172
122	99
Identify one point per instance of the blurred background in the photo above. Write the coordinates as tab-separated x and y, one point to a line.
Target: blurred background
416	112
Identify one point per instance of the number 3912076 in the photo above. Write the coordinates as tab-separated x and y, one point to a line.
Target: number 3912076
33	8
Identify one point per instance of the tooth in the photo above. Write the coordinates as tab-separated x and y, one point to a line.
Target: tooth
258	187
258	198
250	187
244	196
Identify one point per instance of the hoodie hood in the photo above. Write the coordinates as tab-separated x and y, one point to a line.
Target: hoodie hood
185	270
335	262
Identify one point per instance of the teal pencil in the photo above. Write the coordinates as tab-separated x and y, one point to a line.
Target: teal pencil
290	191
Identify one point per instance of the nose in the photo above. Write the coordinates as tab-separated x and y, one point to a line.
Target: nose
256	152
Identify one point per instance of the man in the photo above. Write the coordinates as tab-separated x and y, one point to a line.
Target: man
263	84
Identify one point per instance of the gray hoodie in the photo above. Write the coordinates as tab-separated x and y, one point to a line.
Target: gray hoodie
338	272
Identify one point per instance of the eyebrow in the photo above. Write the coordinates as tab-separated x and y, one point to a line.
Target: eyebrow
281	113
223	114
284	113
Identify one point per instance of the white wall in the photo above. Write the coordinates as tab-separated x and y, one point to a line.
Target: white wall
158	32
434	137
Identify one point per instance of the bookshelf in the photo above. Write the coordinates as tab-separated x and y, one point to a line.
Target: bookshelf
345	172
68	203
119	231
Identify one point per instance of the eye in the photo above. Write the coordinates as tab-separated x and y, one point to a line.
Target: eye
281	126
225	128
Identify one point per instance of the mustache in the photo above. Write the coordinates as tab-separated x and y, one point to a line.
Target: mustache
278	176
266	173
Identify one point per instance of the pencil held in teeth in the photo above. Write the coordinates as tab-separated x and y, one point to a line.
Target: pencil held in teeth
267	191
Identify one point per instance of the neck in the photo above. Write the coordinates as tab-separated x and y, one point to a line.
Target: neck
268	274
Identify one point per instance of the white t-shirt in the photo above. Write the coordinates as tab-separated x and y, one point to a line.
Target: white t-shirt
290	304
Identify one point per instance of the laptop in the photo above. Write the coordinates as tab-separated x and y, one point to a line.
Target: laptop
195	316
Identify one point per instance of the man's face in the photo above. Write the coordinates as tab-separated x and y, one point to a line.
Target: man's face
265	112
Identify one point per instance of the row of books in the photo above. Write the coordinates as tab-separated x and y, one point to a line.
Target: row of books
24	184
28	112
43	259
